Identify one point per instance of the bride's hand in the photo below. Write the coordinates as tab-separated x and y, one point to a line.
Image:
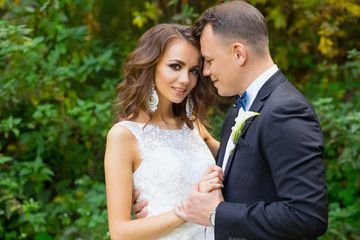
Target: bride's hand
212	179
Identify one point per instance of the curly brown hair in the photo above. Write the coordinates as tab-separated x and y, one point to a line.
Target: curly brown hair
139	74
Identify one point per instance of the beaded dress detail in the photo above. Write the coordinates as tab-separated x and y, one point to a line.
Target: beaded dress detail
171	161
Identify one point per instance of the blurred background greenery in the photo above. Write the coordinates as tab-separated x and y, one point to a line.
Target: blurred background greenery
60	61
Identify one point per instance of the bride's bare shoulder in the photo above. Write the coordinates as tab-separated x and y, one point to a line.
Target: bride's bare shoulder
120	134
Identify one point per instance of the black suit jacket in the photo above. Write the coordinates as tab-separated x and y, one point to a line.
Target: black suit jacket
274	186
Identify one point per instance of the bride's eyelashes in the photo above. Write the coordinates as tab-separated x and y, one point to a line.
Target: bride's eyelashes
175	66
178	67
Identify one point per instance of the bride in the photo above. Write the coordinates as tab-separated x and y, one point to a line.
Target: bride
159	145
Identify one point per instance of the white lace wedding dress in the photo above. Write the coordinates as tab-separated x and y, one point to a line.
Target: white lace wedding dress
171	161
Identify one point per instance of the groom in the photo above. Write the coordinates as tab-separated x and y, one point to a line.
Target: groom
274	183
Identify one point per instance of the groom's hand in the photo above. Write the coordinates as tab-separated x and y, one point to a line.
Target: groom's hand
197	206
138	207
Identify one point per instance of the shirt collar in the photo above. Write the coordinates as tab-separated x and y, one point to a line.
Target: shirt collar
255	86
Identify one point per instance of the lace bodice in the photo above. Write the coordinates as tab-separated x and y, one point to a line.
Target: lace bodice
171	161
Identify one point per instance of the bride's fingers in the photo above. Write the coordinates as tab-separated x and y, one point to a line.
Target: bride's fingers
212	175
209	188
218	169
210	185
207	184
214	181
217	173
210	169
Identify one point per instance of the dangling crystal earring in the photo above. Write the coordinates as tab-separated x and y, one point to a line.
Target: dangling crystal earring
153	99
189	106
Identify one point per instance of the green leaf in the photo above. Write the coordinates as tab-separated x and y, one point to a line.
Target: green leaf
278	18
4	159
43	236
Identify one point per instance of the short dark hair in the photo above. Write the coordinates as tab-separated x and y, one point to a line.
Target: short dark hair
236	20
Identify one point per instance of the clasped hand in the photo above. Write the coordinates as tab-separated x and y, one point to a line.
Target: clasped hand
203	198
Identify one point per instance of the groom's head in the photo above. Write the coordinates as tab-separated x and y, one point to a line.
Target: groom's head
231	35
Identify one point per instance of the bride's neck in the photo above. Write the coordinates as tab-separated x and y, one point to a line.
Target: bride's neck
165	120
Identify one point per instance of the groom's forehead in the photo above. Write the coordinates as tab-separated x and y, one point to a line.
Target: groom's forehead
208	48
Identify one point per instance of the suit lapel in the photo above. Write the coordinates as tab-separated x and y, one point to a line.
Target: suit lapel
257	105
226	129
262	96
228	164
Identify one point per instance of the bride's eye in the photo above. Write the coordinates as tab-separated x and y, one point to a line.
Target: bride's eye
175	66
195	71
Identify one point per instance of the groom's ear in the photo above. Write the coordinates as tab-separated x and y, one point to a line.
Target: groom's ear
240	53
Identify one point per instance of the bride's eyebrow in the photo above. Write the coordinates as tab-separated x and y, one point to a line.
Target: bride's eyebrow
182	63
178	61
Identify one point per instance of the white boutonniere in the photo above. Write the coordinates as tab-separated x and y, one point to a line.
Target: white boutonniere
239	124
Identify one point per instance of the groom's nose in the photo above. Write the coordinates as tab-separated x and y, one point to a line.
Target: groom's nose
206	70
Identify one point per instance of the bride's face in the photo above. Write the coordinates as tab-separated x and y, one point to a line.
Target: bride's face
177	72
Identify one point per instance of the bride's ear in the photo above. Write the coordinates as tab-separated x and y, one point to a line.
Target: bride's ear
240	53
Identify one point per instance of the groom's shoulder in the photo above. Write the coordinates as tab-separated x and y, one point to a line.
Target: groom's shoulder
284	94
287	92
282	89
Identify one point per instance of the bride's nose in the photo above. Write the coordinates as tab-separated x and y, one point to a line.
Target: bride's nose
184	78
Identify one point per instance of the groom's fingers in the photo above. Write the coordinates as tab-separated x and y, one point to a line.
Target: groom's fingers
139	206
143	213
179	212
183	205
135	195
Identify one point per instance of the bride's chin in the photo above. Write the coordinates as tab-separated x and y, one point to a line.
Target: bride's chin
178	101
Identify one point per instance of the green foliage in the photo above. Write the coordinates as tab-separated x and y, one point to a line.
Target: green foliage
151	13
186	16
340	122
343	222
60	61
78	212
56	89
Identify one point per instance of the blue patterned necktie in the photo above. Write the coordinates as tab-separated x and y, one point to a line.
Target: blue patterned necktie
240	101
